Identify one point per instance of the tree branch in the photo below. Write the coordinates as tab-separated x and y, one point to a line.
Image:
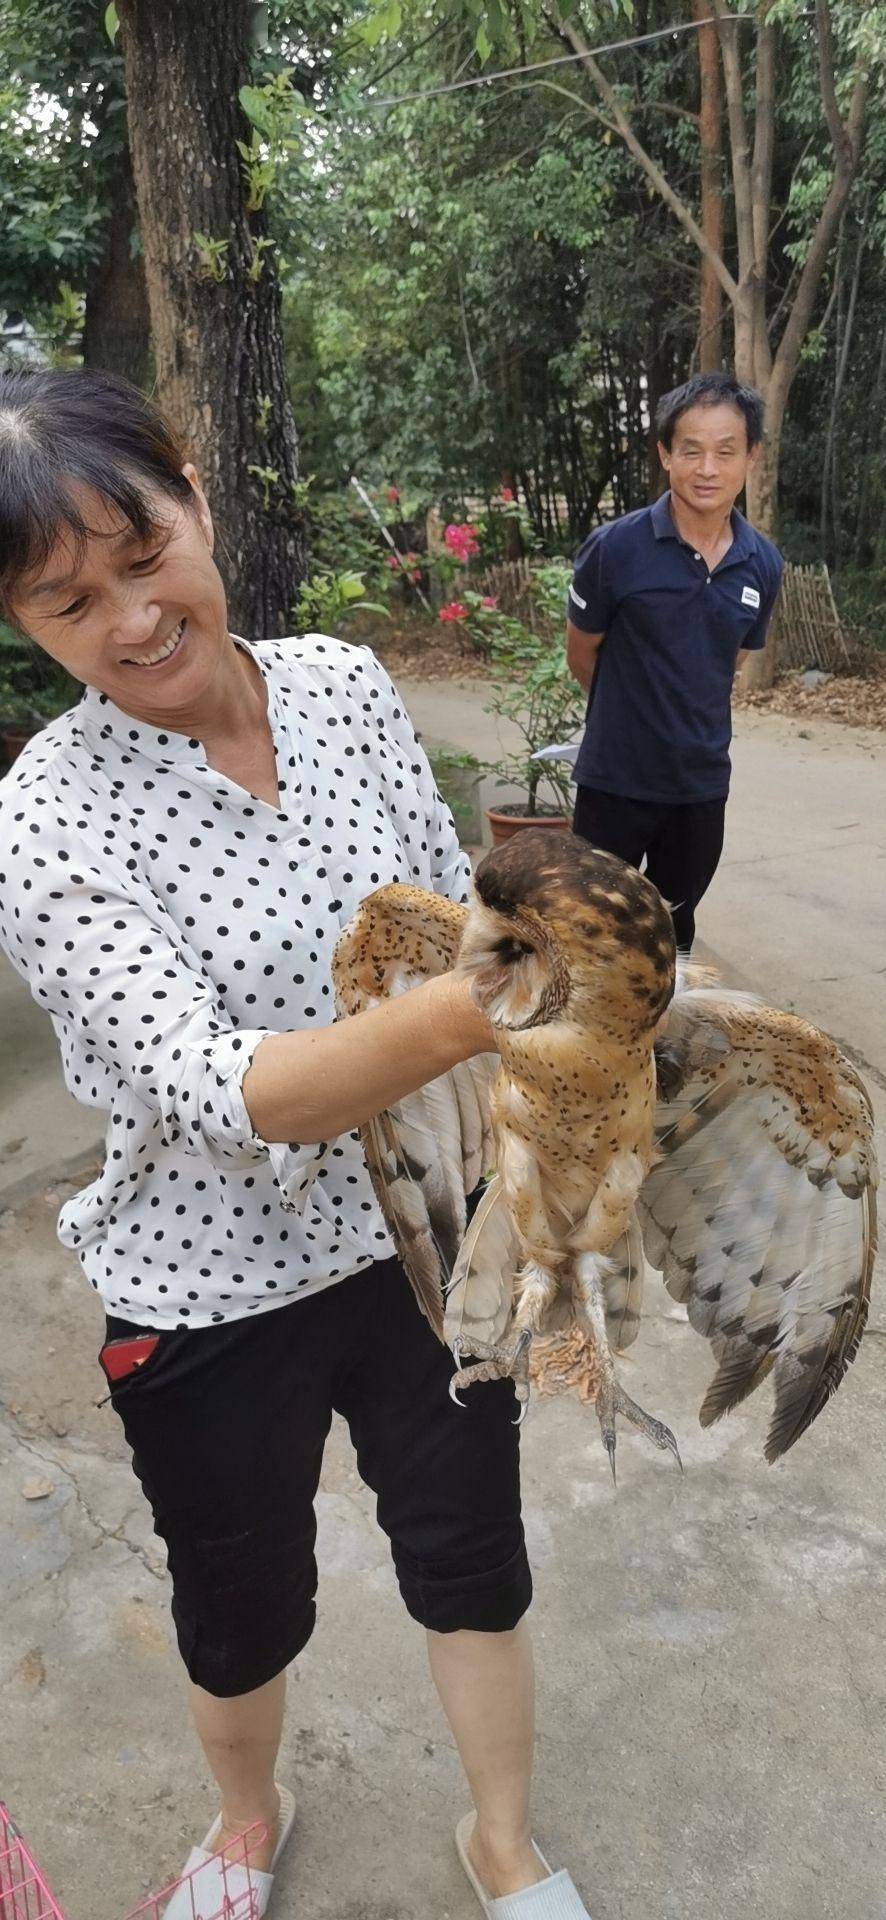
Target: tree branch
764	143
565	29
846	164
739	142
826	75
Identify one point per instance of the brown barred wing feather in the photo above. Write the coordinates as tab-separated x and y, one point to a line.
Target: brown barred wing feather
427	1154
760	1210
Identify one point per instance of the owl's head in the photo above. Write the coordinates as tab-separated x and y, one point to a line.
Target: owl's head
560	931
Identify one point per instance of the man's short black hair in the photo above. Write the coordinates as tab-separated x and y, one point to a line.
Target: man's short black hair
710	390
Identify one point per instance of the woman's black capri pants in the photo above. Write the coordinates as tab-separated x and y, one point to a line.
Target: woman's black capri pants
227	1426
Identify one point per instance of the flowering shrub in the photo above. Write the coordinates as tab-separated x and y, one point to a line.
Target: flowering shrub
462	542
407	565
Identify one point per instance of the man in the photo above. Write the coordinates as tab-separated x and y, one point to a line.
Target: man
663	607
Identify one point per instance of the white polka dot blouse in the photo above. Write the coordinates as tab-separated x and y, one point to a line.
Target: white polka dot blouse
167	920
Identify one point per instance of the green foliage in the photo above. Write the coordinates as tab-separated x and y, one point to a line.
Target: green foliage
344	539
211	257
458	776
62	126
327	599
33	689
533	687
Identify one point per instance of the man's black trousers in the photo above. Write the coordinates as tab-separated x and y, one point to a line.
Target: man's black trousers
682	844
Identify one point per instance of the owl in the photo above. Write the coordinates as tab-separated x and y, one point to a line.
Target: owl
631	1113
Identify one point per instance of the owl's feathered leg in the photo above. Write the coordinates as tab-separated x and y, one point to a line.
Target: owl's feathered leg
535	1285
590	1307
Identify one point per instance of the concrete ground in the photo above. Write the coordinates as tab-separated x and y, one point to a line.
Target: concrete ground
712	1686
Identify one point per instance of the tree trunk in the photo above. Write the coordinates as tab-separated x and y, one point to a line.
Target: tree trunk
710	127
216	331
762	507
117	328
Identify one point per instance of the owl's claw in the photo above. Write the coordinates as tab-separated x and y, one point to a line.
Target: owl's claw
611	1400
493	1363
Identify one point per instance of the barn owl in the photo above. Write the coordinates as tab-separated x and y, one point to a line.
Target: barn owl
727	1143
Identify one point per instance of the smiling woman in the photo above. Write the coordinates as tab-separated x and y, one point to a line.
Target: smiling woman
178	855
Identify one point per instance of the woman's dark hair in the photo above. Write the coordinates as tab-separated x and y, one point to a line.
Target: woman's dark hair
710	390
59	427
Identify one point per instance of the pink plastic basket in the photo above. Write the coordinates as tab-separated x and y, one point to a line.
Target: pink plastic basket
240	1898
24	1894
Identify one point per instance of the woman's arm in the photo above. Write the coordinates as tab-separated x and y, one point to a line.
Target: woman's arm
313	1085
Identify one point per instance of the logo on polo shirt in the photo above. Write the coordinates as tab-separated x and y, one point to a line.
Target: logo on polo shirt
577	598
750	597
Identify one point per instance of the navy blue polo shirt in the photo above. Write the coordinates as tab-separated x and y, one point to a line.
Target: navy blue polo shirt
659	719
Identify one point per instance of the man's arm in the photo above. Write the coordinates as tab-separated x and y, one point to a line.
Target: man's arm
581	654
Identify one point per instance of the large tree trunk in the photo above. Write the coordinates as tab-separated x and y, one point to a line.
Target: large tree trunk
117	329
217	340
710	127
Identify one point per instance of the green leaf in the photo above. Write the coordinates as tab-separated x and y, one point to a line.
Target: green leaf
255	107
483	44
112	22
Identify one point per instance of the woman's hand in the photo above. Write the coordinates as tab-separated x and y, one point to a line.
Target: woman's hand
313	1085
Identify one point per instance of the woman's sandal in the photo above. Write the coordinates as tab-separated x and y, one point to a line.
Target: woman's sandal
213	1884
556	1898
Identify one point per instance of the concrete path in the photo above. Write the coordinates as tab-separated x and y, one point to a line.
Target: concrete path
712	1690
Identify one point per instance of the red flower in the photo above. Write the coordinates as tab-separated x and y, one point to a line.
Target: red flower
454	611
462	541
507	496
393	494
489	601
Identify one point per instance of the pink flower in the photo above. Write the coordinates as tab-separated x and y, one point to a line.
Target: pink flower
507	496
489	601
392	561
393	494
454	611
462	541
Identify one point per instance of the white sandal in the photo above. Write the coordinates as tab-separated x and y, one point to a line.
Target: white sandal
211	1884
556	1898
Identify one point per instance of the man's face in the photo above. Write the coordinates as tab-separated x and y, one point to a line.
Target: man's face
708	460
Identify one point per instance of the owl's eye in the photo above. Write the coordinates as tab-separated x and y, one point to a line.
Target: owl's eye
510	950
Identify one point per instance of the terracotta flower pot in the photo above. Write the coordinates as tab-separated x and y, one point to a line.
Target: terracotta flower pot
505	822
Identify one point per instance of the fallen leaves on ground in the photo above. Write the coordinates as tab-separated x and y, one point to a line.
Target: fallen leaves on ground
850	699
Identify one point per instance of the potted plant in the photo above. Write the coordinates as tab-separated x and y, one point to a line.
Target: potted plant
534	690
458	777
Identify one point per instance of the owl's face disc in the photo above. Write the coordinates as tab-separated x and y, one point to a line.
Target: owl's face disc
562	931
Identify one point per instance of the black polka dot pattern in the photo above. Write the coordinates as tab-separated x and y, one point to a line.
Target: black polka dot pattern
167	921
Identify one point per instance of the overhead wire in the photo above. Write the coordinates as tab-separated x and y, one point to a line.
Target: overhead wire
525	71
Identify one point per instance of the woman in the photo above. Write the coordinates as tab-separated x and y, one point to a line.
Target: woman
177	857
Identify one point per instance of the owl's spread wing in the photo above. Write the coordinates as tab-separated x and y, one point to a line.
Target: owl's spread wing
761	1209
433	1149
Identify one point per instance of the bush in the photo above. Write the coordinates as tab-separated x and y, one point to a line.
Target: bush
33	688
533	687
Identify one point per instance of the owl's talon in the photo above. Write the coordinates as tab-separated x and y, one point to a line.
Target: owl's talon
454	1396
